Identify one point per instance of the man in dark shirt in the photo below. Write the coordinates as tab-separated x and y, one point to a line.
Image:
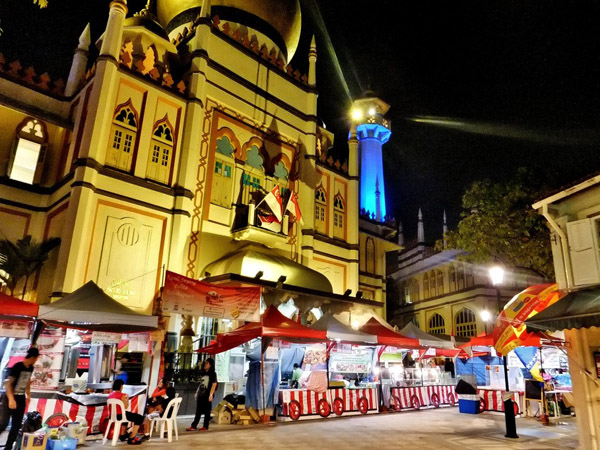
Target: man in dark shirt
12	404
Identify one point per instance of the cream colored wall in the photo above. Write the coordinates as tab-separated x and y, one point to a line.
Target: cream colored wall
581	344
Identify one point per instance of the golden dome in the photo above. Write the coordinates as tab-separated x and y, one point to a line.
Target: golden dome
281	16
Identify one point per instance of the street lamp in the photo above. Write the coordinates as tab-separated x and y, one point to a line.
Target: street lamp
485	316
497	277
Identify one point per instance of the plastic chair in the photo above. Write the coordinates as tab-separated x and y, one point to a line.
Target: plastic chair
116	407
169	419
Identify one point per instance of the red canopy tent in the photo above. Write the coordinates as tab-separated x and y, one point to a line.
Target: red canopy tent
12	308
385	336
273	324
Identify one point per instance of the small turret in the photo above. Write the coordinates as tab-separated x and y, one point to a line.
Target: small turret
312	63
111	40
420	229
80	59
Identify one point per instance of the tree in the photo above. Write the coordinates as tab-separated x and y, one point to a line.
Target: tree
499	225
23	259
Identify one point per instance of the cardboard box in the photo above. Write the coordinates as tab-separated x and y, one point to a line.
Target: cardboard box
254	414
34	441
62	444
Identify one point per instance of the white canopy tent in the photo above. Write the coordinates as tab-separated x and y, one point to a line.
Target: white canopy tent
425	339
337	331
89	307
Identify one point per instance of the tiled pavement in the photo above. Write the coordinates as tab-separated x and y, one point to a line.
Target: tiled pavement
433	429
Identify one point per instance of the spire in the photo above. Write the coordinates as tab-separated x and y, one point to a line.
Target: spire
444	229
377	200
312	62
400	235
420	229
79	64
205	9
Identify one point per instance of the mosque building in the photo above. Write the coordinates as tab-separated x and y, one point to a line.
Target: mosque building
159	153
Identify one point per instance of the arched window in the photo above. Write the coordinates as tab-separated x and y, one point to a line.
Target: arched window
432	284
123	137
460	277
338	217
469	278
253	178
27	159
437	324
466	325
452	279
440	282
370	255
161	152
222	179
321	210
425	286
414	290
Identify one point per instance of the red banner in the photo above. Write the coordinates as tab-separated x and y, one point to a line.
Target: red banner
185	295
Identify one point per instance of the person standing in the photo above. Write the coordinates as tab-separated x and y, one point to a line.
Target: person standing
204	394
296	375
13	402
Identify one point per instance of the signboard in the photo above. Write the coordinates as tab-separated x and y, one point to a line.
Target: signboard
15	329
138	342
104	337
188	296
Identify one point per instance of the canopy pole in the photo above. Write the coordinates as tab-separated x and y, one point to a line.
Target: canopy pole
262	373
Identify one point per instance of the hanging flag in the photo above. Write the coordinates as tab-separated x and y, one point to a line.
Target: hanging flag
269	222
293	207
273	200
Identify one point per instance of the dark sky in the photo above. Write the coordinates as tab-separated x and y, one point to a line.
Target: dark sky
509	84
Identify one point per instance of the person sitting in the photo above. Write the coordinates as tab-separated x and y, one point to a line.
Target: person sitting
158	395
160	408
137	419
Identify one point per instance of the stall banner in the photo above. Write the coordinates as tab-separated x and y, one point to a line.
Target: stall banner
46	370
138	342
15	329
188	296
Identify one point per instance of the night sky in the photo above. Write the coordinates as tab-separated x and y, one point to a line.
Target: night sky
477	88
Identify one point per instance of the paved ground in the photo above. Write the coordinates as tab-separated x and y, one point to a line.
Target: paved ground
433	429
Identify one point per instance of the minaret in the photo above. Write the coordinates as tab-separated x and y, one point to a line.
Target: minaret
312	63
373	130
79	64
420	229
444	229
111	40
205	8
400	235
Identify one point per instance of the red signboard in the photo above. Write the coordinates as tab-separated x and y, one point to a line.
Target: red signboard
188	296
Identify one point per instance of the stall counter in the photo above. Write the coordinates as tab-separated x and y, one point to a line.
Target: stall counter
300	404
91	406
422	396
491	399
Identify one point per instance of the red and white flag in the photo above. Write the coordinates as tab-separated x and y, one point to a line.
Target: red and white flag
293	207
273	200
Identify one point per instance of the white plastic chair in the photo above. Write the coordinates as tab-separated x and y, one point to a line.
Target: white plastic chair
116	407
169	419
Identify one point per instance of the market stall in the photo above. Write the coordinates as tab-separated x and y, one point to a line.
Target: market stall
417	382
88	311
17	318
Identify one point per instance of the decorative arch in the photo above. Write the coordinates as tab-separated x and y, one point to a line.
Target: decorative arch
437	324
257	146
469	277
425	285
465	323
33	130
162	153
460	276
414	291
124	133
432	284
230	140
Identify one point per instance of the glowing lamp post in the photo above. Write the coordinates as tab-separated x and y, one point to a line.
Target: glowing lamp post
497	277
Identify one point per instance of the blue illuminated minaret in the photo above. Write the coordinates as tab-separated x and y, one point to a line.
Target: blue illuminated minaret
373	130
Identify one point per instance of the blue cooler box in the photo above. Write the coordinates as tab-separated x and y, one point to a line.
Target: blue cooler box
468	404
62	444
